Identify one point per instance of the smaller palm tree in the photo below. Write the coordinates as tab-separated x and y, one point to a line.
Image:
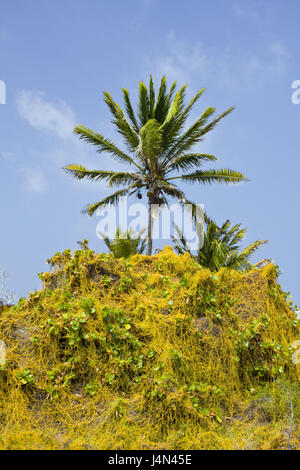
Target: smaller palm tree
84	244
220	246
126	243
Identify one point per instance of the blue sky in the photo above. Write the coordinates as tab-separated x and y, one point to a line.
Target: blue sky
57	57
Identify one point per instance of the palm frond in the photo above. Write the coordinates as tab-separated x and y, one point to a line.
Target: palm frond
215	121
102	144
107	201
129	109
80	172
151	140
247	252
151	97
144	105
189	107
122	178
190	160
173	122
163	100
237	262
224	175
191	137
125	243
234	236
171	93
196	212
175	108
170	190
181	245
123	126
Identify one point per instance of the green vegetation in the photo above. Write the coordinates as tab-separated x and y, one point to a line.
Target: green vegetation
220	247
126	243
170	351
149	352
159	149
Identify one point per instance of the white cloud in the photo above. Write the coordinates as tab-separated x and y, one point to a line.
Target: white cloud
233	67
34	181
41	114
280	55
7	156
180	61
245	10
59	119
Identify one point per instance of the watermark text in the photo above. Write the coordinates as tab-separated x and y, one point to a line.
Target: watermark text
2	92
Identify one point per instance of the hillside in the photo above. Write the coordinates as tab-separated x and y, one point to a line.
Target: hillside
149	353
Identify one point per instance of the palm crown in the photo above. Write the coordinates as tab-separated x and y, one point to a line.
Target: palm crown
159	148
126	243
220	247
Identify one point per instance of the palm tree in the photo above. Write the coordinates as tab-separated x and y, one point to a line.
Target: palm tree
220	246
159	149
126	243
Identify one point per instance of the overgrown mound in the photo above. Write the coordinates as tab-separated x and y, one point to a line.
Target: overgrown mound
152	352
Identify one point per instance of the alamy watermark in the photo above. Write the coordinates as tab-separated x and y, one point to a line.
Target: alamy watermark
135	217
295	97
2	92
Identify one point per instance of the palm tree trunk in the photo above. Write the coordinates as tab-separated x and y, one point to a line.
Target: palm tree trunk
149	241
